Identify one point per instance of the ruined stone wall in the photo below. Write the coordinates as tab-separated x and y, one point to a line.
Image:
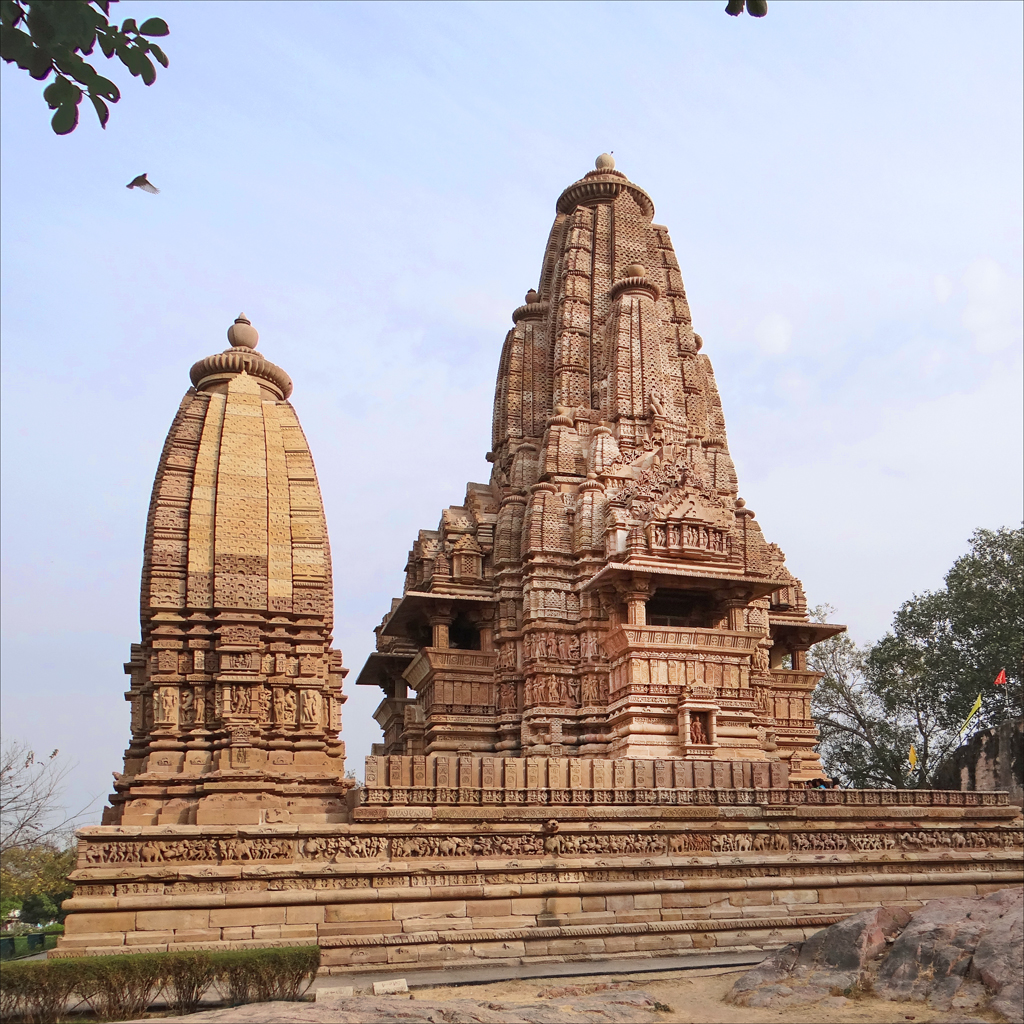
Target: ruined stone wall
993	759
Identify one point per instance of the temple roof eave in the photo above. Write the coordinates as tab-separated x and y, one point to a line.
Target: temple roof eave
621	571
417	603
381	666
812	632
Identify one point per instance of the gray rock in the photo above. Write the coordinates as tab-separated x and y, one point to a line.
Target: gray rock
606	1008
956	954
932	957
831	962
999	957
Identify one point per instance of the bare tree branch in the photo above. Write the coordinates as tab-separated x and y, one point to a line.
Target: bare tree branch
31	812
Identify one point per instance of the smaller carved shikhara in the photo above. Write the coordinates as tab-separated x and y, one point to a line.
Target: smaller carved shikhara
235	677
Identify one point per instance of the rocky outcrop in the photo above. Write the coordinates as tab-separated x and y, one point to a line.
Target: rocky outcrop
830	962
606	1007
960	953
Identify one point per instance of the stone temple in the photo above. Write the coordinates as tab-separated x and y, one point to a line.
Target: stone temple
236	692
607	594
596	721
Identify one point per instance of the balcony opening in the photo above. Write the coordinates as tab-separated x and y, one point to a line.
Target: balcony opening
681	608
420	633
463	635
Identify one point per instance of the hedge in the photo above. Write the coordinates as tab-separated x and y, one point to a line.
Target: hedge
123	986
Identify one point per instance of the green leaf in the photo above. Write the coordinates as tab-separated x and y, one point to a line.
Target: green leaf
10	12
66	118
71	64
154	27
128	25
103	5
104	87
107	41
40	65
73	24
39	24
59	92
102	110
148	71
16	46
129	57
159	54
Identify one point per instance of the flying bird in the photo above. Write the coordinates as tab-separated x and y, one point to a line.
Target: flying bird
142	182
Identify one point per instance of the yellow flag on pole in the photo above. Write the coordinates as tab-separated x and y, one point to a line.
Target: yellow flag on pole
913	757
975	708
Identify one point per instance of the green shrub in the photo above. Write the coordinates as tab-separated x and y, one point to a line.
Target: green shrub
187	978
294	970
121	986
263	975
38	991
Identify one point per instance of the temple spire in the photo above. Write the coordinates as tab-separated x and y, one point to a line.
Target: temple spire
612	508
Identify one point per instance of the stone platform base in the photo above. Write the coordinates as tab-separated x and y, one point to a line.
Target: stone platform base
672	879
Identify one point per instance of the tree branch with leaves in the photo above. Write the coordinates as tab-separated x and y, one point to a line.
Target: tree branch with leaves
50	37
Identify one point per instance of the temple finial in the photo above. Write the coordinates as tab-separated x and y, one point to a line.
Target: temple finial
605	162
242	334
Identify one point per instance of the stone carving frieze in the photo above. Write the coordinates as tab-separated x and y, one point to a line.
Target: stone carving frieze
338	849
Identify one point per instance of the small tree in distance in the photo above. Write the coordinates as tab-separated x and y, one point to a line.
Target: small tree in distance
30	795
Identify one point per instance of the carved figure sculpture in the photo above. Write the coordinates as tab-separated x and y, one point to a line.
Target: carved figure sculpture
697	733
311	707
188	707
241	700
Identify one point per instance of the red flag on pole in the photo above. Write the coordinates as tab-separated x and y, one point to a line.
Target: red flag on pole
1001	678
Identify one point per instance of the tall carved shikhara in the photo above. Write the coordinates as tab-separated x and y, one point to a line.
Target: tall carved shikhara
607	594
236	693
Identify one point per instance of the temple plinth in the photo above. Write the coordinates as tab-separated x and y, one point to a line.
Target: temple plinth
607	594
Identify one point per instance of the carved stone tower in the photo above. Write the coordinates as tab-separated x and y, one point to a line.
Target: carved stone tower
607	594
236	693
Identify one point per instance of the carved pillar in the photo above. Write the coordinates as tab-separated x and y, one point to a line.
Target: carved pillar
636	602
734	603
485	622
439	623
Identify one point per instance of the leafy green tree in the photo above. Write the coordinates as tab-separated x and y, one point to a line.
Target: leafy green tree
865	732
955	641
917	685
49	37
35	880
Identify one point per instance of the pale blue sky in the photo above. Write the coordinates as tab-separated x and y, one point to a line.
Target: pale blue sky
373	183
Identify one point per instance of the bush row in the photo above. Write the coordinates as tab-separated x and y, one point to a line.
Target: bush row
123	986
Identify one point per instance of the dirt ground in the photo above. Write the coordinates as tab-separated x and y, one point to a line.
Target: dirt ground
685	997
